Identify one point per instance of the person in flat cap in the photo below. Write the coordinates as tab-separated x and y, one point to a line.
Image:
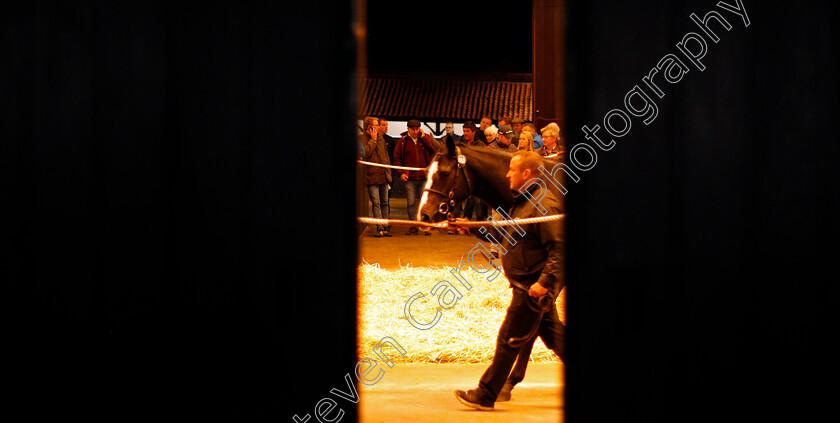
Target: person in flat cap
505	139
414	149
516	125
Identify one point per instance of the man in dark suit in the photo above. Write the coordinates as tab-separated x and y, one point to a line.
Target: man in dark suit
535	267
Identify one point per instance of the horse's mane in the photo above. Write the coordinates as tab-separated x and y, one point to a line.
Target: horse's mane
483	150
489	165
549	162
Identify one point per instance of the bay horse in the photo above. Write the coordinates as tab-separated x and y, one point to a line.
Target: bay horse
458	171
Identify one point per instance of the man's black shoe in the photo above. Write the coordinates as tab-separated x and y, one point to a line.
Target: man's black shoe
470	399
387	232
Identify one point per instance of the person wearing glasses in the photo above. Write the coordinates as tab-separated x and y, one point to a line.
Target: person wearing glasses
551	141
450	130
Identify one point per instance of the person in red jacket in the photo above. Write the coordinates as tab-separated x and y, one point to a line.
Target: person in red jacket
415	149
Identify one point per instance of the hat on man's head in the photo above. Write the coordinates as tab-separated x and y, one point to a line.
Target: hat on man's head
517	120
507	131
413	123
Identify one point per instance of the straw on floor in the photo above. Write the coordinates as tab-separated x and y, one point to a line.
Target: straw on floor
466	333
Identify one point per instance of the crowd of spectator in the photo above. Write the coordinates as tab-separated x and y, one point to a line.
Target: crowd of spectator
415	148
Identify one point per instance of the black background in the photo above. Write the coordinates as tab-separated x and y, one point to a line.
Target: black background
175	247
449	36
701	246
178	248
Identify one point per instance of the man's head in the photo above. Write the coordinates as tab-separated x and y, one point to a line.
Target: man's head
469	130
529	127
524	166
485	123
504	120
383	126
413	128
506	134
516	124
371	125
371	122
450	128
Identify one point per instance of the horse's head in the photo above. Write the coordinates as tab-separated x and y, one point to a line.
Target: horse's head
446	184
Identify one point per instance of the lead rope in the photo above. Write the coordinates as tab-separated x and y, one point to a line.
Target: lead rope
464	224
541	305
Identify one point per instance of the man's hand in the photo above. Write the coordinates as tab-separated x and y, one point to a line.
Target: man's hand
537	290
460	229
404	177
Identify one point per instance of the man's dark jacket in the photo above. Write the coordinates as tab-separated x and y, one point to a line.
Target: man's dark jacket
538	256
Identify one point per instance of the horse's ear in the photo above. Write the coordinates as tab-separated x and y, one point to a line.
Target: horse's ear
450	145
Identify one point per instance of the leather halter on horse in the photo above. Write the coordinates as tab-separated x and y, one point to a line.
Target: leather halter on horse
444	207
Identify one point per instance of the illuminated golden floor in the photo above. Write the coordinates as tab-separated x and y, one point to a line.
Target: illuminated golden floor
454	352
424	393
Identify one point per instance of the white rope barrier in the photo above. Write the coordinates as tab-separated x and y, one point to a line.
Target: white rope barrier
390	166
461	223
